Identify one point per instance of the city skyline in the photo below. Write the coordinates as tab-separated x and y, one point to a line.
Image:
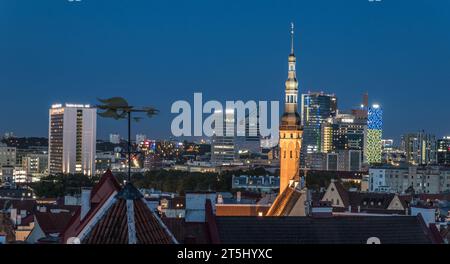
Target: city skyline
345	144
212	56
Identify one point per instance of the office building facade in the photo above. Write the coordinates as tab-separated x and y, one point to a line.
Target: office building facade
72	139
7	155
420	148
223	149
316	108
400	179
443	151
374	134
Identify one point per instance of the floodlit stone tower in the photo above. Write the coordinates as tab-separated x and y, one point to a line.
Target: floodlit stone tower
290	127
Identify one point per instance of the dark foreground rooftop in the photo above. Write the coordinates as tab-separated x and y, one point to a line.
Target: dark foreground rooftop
333	230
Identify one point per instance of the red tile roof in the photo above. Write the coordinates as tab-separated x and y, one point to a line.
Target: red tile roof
241	209
113	227
52	223
27	220
19	204
103	190
104	187
435	234
188	232
431	197
343	193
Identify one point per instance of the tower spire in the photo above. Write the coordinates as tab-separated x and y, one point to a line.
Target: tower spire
292	37
290	127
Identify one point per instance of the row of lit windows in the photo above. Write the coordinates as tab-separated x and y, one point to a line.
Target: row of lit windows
292	99
290	154
290	135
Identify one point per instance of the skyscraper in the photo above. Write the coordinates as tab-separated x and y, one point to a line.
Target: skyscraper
251	142
374	134
316	108
72	139
140	138
443	151
342	143
223	151
361	113
290	127
347	133
420	148
114	138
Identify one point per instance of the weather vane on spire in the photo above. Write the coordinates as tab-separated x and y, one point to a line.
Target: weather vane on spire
292	37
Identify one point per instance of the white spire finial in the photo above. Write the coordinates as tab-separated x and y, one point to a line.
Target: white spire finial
292	37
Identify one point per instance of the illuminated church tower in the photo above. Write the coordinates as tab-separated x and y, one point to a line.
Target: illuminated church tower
290	127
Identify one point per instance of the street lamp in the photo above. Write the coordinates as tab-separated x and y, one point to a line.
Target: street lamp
118	108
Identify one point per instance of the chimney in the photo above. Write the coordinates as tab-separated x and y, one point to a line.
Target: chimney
220	199
85	202
19	220
291	182
13	215
238	197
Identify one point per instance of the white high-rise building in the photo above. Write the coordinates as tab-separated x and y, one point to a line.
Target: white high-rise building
140	138
114	138
72	139
223	150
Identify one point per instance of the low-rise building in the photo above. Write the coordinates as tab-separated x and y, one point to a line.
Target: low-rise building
114	214
319	228
16	193
173	208
398	179
48	226
35	164
7	155
339	160
344	201
263	184
195	166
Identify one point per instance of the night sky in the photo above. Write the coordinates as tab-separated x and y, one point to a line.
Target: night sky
157	52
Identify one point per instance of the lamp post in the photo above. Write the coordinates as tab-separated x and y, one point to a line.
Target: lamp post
118	108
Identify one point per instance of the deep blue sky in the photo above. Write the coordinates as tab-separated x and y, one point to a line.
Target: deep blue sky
156	52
